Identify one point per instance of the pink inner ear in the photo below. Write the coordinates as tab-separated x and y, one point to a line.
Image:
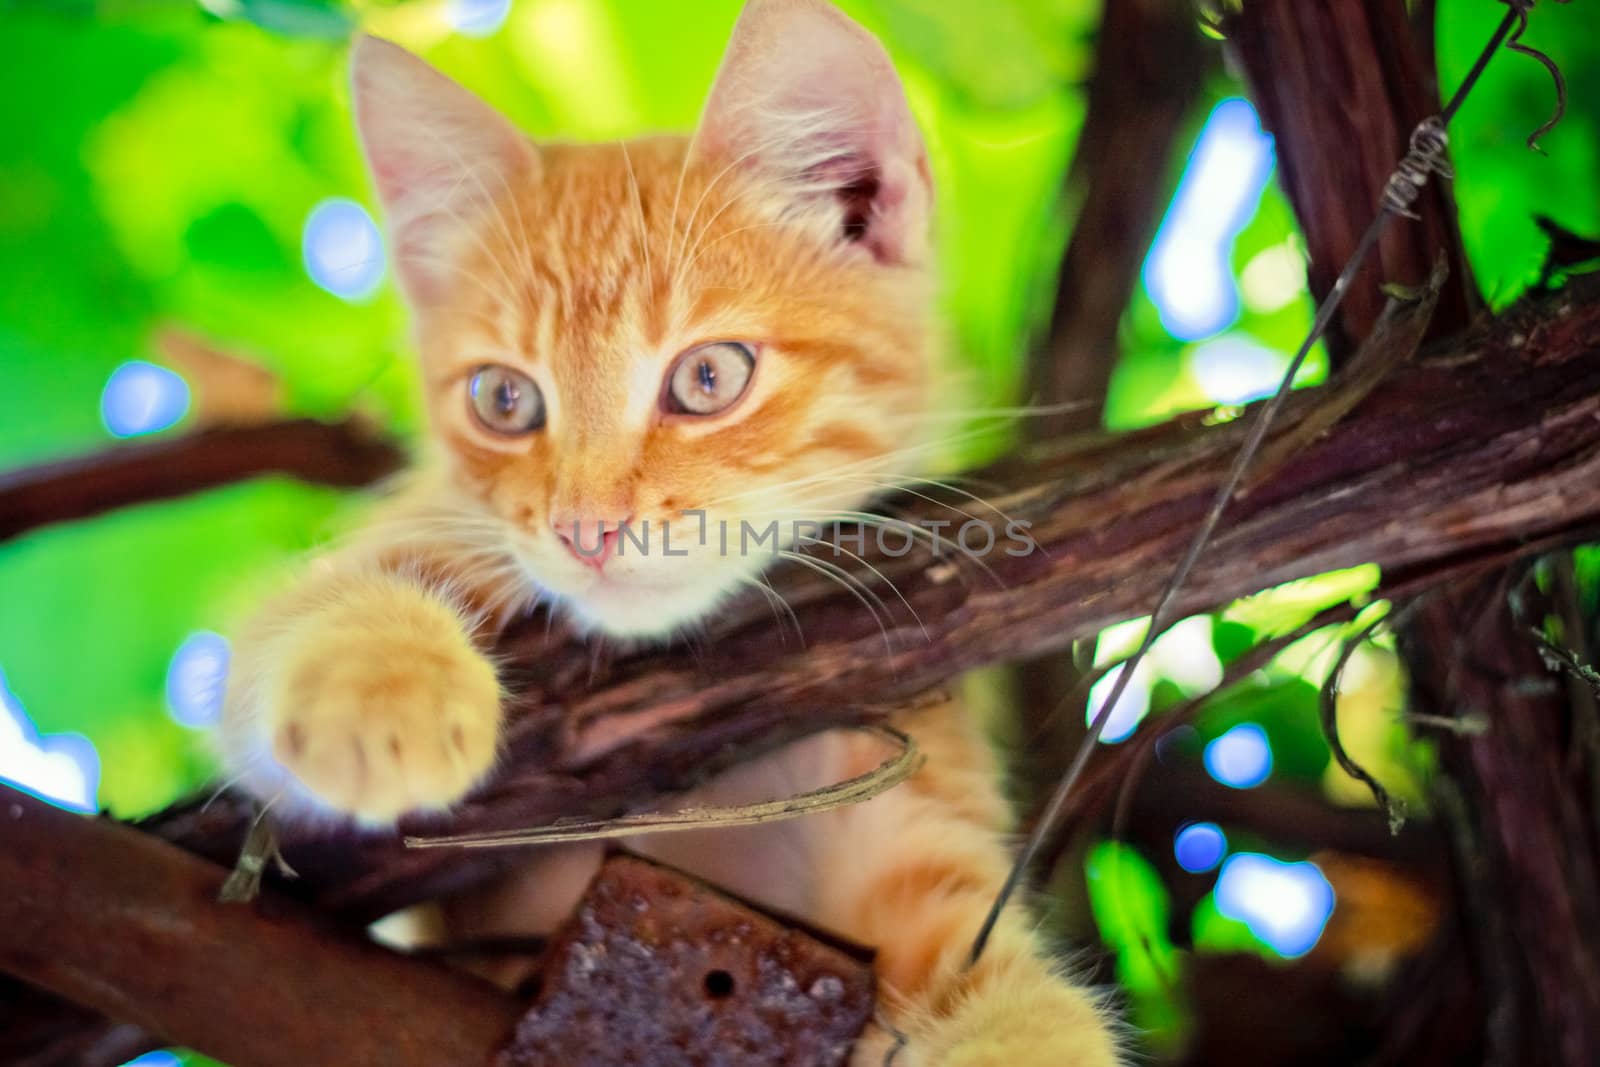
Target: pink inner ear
438	155
809	98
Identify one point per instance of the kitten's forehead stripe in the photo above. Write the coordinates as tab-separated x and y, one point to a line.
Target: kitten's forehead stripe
606	291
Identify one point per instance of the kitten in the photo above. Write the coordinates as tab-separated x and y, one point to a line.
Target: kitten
740	323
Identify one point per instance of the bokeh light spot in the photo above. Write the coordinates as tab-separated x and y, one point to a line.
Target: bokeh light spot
1241	758
142	398
476	18
343	249
1187	272
195	679
1200	846
1284	904
1186	655
1274	277
1131	706
1236	370
155	1059
61	768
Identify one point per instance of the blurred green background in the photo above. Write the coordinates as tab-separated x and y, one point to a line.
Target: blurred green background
161	162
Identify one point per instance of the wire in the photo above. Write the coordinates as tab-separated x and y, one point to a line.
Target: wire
1425	156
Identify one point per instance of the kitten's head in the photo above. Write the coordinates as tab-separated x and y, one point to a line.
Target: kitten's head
738	323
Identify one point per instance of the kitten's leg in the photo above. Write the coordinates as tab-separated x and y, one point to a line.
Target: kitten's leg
360	690
912	873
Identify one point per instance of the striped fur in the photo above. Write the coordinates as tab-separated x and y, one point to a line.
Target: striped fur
794	222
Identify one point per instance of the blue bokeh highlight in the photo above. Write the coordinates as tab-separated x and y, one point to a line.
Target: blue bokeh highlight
343	249
1187	272
141	398
1286	905
1241	758
196	678
1200	846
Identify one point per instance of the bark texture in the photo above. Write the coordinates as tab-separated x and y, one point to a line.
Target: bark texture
1341	84
1483	449
123	923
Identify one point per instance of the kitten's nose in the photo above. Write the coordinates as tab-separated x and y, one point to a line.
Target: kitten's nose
591	541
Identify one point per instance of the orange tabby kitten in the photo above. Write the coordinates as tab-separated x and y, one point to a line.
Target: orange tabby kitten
739	323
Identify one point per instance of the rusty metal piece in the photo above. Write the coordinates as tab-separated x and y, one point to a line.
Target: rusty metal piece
659	970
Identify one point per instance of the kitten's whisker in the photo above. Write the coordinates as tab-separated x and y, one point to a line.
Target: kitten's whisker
839	575
644	228
1022	411
445	205
824	476
701	250
912	530
698	248
775	601
884	578
688	226
222	788
949	488
677	195
897	488
516	241
766	583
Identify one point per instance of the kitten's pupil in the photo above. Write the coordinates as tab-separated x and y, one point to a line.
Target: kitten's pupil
708	378
506	397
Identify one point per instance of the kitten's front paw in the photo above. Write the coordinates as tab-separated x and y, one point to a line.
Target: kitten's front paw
1013	1025
382	705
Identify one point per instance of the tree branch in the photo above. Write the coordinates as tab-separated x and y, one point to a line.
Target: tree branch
1150	62
1341	85
126	924
1482	449
341	454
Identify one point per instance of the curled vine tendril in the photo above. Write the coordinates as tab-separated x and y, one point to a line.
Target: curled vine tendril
1426	156
1521	8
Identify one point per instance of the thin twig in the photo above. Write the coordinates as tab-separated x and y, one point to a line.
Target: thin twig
888	774
1394	808
1520	9
1425	157
1256	658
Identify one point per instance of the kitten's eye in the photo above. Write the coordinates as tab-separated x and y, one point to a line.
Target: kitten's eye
506	401
708	379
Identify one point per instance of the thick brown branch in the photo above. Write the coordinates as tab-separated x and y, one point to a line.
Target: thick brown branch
123	923
1482	449
1527	781
339	454
1150	61
1341	84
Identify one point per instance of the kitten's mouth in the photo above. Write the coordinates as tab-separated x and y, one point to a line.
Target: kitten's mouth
624	601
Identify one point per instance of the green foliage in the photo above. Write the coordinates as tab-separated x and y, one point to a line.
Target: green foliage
159	160
1500	185
1214	932
1132	908
162	171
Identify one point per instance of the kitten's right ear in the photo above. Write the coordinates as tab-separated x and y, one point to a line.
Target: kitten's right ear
439	156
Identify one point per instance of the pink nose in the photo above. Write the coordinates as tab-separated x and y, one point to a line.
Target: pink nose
591	543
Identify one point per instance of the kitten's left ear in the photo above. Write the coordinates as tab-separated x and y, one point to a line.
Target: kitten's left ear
809	100
439	156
